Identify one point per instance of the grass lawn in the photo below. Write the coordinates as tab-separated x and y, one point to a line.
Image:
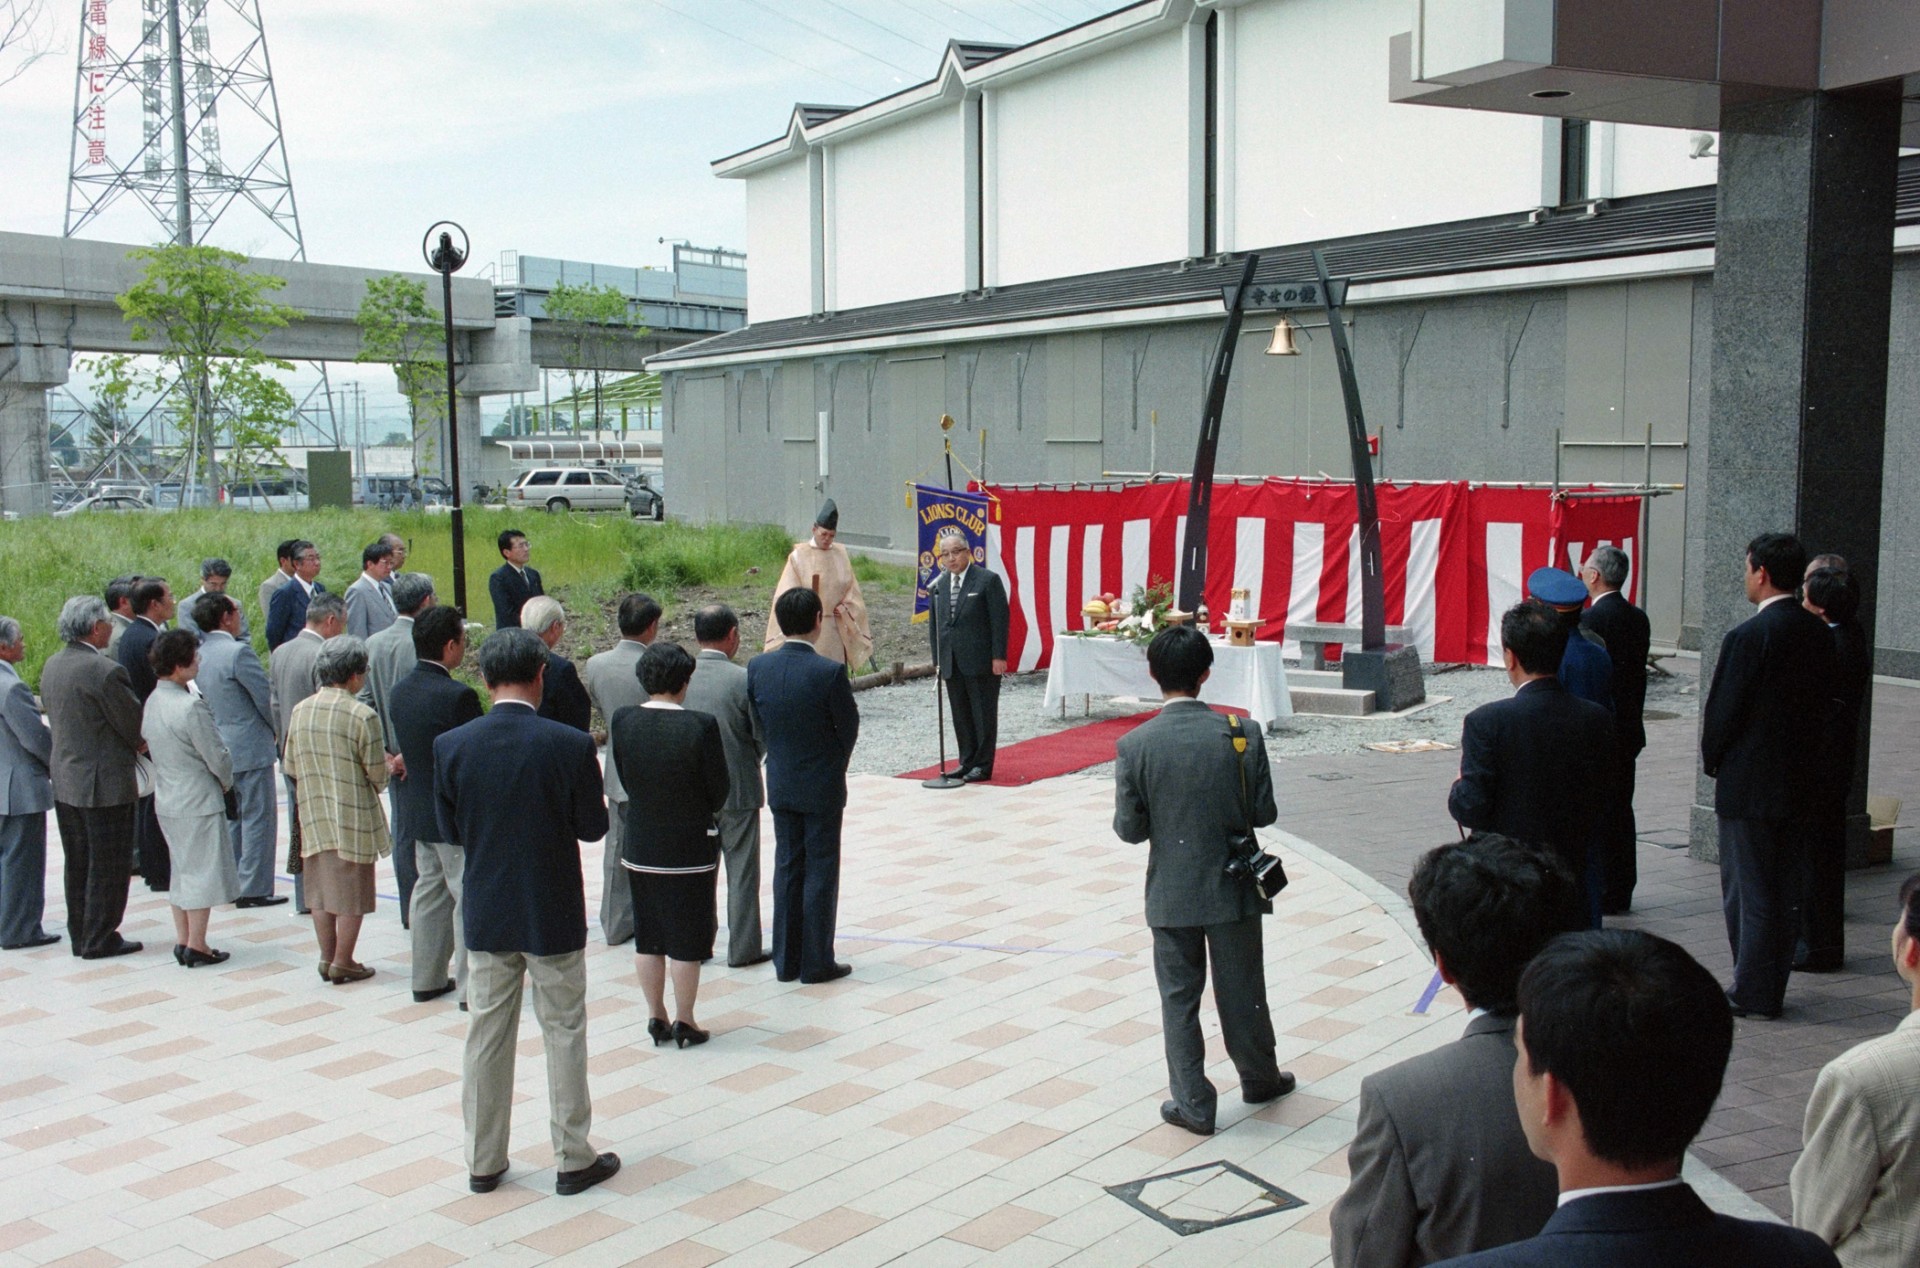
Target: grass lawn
586	561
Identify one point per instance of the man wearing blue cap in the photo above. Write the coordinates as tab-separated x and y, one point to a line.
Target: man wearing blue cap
1585	668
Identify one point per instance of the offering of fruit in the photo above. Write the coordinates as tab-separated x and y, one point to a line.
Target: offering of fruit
1095	607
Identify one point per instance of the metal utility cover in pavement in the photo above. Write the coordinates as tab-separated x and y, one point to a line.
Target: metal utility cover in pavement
1196	1199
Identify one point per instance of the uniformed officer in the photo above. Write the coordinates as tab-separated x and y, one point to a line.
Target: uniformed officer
1585	668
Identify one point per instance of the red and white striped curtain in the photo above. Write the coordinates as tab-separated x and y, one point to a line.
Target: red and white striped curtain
1455	556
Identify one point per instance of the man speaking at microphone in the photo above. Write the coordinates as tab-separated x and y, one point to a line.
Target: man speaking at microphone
967	624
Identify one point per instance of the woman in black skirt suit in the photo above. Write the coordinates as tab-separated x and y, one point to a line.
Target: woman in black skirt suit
675	772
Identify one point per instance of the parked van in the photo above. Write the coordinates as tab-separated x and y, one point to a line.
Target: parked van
568	489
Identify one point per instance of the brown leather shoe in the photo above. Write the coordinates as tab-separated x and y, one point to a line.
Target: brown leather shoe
356	972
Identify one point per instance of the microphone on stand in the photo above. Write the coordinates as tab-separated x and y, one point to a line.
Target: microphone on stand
941	780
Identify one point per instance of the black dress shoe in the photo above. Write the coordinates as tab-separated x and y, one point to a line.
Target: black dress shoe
976	776
1751	1013
1827	962
833	973
267	900
196	959
749	962
125	946
180	954
567	1183
1170	1113
686	1036
660	1030
421	997
44	940
1261	1093
486	1184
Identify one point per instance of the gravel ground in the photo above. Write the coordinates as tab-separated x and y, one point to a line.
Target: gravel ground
897	729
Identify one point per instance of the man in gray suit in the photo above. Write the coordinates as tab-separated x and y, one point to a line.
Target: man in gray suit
96	737
215	575
235	687
370	604
120	609
1439	1166
719	687
613	683
390	657
281	574
1185	782
26	794
290	674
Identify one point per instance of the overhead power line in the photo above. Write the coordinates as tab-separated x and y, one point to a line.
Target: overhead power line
831	38
881	26
741	39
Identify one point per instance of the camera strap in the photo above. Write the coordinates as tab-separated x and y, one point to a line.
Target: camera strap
1240	765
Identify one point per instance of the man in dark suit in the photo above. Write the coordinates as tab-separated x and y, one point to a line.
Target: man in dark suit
1627	635
967	625
565	698
425	704
512	583
1534	766
719	687
153	607
119	598
805	711
1832	594
518	793
1439	1165
1186	781
96	736
1762	731
1622	1043
287	609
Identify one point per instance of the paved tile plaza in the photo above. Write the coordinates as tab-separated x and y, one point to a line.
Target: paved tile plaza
967	1097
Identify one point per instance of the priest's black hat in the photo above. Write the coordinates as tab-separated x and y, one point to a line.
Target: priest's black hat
829	516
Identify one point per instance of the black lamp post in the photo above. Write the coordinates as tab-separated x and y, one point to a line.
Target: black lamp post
444	258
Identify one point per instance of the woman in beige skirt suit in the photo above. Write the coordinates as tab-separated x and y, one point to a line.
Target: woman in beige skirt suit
191	774
336	755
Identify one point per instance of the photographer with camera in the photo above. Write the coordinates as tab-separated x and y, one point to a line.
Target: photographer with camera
1195	784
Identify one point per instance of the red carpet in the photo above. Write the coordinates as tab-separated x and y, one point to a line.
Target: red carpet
1061	753
1045	756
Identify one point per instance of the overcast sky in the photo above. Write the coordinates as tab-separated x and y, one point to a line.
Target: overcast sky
551	127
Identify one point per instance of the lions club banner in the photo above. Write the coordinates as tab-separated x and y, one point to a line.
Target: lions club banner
934	510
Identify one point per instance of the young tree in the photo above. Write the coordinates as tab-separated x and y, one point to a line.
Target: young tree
398	328
208	317
24	37
592	321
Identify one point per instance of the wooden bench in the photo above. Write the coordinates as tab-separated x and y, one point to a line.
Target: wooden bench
1315	637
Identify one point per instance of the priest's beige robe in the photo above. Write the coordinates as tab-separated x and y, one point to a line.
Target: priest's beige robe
844	633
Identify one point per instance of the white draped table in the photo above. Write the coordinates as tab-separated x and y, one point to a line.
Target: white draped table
1251	678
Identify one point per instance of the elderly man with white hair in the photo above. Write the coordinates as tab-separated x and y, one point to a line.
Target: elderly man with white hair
95	719
26	794
565	699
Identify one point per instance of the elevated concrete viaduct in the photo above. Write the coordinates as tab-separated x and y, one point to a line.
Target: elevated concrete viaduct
57	299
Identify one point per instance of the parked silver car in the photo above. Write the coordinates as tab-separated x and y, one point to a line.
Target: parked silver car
568	489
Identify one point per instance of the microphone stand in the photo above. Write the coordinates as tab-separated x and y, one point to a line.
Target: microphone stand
941	780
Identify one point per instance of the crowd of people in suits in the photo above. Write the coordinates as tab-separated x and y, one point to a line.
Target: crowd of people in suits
1552	1130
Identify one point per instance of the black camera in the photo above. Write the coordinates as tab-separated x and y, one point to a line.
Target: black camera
1248	864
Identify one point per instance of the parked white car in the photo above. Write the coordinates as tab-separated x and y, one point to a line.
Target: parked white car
568	489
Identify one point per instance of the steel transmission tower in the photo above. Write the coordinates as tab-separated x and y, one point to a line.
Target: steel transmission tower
174	111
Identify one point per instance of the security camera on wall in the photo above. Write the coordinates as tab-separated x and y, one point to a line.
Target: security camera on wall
1700	144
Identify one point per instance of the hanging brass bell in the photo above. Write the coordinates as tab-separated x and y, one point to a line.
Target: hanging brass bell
1282	345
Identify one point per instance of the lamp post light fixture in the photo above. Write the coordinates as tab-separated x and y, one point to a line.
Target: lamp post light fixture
446	259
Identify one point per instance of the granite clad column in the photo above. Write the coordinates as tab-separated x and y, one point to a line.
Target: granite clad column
1802	293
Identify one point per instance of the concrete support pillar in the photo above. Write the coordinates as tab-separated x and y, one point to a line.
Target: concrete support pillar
26	372
1802	293
468	416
